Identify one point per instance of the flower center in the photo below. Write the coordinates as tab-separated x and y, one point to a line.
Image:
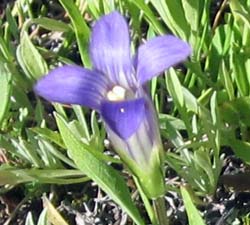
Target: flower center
118	93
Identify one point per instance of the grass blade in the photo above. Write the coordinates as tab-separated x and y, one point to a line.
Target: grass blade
81	29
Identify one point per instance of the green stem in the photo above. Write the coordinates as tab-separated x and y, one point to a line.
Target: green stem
160	211
146	202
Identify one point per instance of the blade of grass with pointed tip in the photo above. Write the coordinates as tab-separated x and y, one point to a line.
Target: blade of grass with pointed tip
30	59
51	24
53	215
12	176
53	136
29	219
172	13
192	13
42	220
5	90
194	217
81	29
174	87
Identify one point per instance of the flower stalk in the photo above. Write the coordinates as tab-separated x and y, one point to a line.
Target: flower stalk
161	211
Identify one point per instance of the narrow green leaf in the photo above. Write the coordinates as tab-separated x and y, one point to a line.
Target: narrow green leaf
216	120
227	81
50	135
149	15
236	112
48	159
221	43
30	59
39	112
5	51
94	7
81	29
12	176
94	125
54	152
53	215
108	6
176	123
172	14
190	100
202	158
194	217
146	202
239	10
21	97
244	16
135	18
51	24
29	219
81	118
192	13
12	23
214	109
27	152
5	90
240	74
172	133
42	220
106	177
8	177
240	148
174	87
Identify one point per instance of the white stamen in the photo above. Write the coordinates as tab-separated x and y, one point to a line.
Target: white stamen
111	96
118	93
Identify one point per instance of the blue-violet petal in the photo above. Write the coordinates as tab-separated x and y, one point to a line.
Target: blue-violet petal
73	85
158	54
110	49
123	117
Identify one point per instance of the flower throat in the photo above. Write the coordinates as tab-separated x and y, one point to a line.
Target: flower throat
118	93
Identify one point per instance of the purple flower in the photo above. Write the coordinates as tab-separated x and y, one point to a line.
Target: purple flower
115	87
